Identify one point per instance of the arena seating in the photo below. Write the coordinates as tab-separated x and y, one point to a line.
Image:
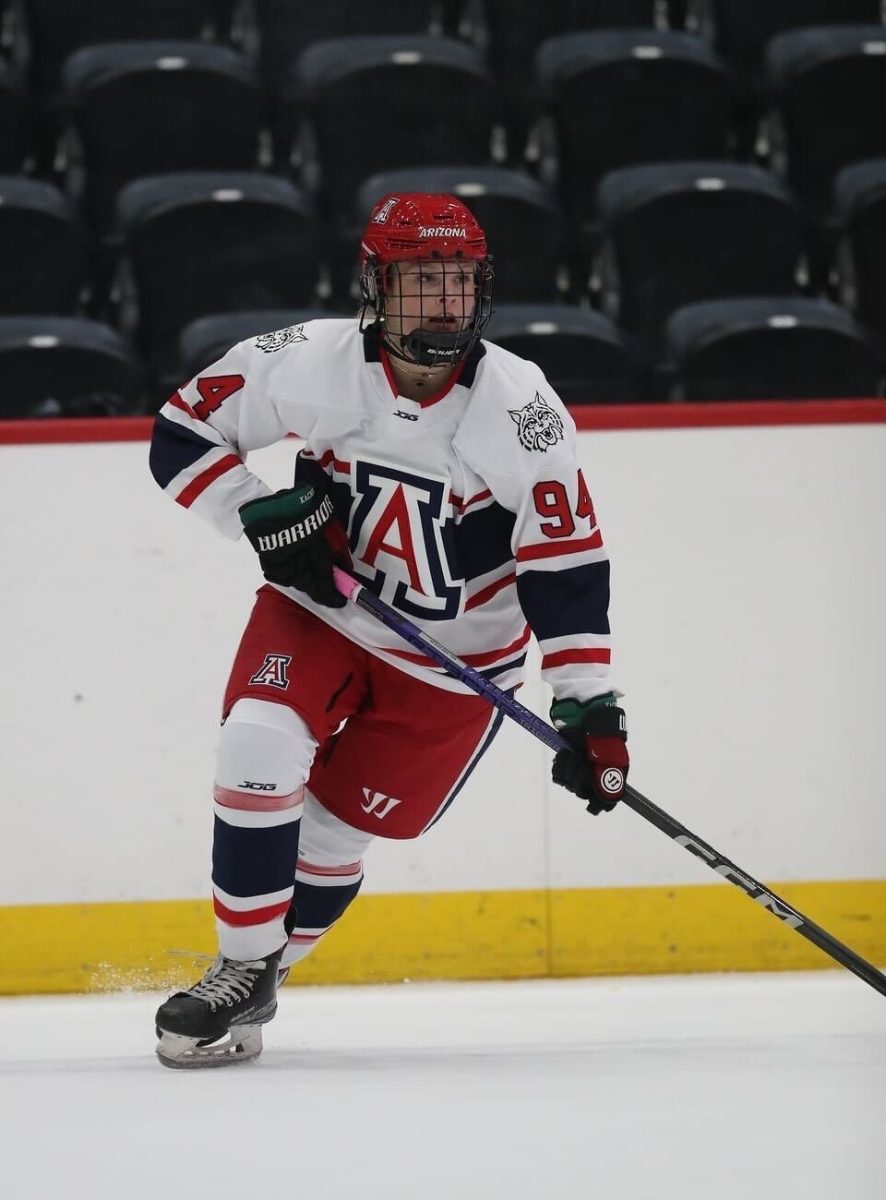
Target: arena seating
740	29
139	108
432	102
621	97
769	348
168	163
16	119
861	257
516	28
829	89
286	28
663	244
44	249
67	367
200	243
587	359
208	338
56	28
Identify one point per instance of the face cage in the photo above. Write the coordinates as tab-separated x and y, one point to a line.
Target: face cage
425	346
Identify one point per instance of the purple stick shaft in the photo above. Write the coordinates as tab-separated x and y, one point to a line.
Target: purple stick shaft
691	842
416	637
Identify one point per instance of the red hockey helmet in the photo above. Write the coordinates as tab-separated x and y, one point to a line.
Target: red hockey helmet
424	226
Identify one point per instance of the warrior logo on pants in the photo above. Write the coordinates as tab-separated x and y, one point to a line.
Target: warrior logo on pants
272	672
378	803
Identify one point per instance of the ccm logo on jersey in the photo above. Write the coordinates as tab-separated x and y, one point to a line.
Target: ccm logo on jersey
451	231
248	786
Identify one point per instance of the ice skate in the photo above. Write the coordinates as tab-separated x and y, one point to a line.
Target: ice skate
218	1021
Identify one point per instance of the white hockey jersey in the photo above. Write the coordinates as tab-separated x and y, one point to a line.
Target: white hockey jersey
467	512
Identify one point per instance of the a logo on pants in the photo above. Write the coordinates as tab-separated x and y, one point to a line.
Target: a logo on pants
378	803
272	672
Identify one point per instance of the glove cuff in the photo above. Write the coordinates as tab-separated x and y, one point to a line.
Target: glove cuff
282	521
282	508
572	714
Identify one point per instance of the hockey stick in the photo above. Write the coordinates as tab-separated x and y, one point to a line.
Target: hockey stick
363	598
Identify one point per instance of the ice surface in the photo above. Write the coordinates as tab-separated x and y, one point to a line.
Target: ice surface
717	1086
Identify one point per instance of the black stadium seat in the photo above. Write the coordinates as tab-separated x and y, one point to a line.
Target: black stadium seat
56	28
769	348
741	28
368	104
206	243
675	233
140	108
205	340
629	96
16	119
861	268
829	86
44	250
522	220
515	30
66	367
586	359
288	27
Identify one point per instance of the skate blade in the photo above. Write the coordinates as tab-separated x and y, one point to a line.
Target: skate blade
244	1044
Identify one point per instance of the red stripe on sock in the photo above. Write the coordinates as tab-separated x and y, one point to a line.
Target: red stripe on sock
255	916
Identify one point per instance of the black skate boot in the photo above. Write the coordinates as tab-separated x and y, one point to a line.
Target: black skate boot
233	998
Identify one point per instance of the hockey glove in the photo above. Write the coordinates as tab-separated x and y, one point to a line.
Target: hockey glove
596	768
298	541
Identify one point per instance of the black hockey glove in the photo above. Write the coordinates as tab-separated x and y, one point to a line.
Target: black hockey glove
596	768
298	541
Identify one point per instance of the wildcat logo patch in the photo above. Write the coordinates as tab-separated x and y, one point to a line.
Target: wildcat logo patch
268	343
538	425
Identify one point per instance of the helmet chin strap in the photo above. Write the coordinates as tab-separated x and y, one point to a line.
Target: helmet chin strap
430	349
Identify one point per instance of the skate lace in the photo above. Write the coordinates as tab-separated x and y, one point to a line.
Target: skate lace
226	982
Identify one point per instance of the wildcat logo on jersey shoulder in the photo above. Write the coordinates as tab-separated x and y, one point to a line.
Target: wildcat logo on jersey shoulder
268	343
538	425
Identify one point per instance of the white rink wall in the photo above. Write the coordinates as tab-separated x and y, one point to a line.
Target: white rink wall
749	593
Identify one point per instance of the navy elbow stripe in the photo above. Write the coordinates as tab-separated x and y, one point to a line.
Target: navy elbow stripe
562	603
174	449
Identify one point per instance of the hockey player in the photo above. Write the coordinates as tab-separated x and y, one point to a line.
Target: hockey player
441	471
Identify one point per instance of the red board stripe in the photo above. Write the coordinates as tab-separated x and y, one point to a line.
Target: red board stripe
732	412
601	417
199	485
